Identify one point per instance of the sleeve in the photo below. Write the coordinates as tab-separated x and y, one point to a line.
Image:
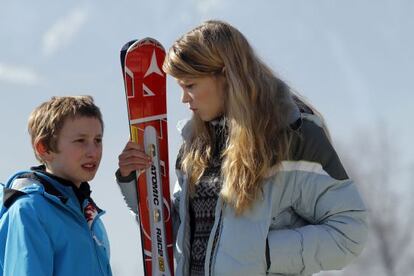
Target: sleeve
28	249
335	235
329	201
129	191
175	203
176	195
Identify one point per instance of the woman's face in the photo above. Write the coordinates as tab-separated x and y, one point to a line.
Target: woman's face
204	95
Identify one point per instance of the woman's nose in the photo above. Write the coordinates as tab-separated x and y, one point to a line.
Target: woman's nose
185	97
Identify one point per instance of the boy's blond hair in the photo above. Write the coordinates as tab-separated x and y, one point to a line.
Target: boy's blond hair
46	121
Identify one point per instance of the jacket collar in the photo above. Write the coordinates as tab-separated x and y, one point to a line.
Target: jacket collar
82	192
25	179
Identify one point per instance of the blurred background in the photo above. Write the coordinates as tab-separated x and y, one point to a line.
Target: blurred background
351	59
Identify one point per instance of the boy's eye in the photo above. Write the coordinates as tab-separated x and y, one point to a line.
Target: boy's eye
189	86
79	140
98	140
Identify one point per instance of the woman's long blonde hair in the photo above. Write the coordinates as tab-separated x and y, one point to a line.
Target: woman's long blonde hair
257	108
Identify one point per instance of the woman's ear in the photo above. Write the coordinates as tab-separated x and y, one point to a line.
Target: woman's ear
42	151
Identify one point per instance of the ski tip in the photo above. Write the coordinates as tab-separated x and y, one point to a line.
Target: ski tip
124	50
146	41
153	41
127	45
131	45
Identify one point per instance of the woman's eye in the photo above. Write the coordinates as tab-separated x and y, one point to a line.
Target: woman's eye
79	141
189	86
98	140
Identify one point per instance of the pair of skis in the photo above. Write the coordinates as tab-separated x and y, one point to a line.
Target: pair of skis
145	89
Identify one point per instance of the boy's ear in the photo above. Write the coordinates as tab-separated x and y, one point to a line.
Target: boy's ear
42	151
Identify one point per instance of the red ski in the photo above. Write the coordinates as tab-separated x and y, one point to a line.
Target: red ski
145	87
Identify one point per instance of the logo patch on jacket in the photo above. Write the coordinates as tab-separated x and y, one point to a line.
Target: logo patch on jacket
90	213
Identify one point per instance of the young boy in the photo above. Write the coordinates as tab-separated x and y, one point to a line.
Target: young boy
49	224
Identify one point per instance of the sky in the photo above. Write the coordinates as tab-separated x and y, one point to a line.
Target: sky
353	60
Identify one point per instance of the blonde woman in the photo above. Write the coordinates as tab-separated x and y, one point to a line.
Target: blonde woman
260	188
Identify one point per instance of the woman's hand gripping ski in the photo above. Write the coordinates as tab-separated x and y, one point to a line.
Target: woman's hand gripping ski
133	158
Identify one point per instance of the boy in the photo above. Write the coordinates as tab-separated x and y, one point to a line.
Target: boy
49	225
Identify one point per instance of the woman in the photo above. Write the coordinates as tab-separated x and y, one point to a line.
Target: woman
260	188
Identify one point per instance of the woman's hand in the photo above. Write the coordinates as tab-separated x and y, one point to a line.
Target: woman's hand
133	158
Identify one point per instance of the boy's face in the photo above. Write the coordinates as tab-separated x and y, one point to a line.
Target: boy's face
79	150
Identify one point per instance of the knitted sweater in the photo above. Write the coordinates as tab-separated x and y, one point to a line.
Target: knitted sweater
203	202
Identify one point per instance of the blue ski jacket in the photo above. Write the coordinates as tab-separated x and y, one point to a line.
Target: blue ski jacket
43	231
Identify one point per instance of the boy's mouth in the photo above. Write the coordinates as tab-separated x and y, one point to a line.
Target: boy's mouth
89	166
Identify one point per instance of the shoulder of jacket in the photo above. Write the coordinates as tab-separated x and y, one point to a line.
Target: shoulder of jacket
19	188
26	185
10	196
311	144
35	189
312	118
184	127
19	202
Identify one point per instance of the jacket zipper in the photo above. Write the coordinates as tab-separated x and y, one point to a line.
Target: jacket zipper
94	241
81	218
217	232
215	244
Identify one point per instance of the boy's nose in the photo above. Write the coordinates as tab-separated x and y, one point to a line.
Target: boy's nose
93	150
